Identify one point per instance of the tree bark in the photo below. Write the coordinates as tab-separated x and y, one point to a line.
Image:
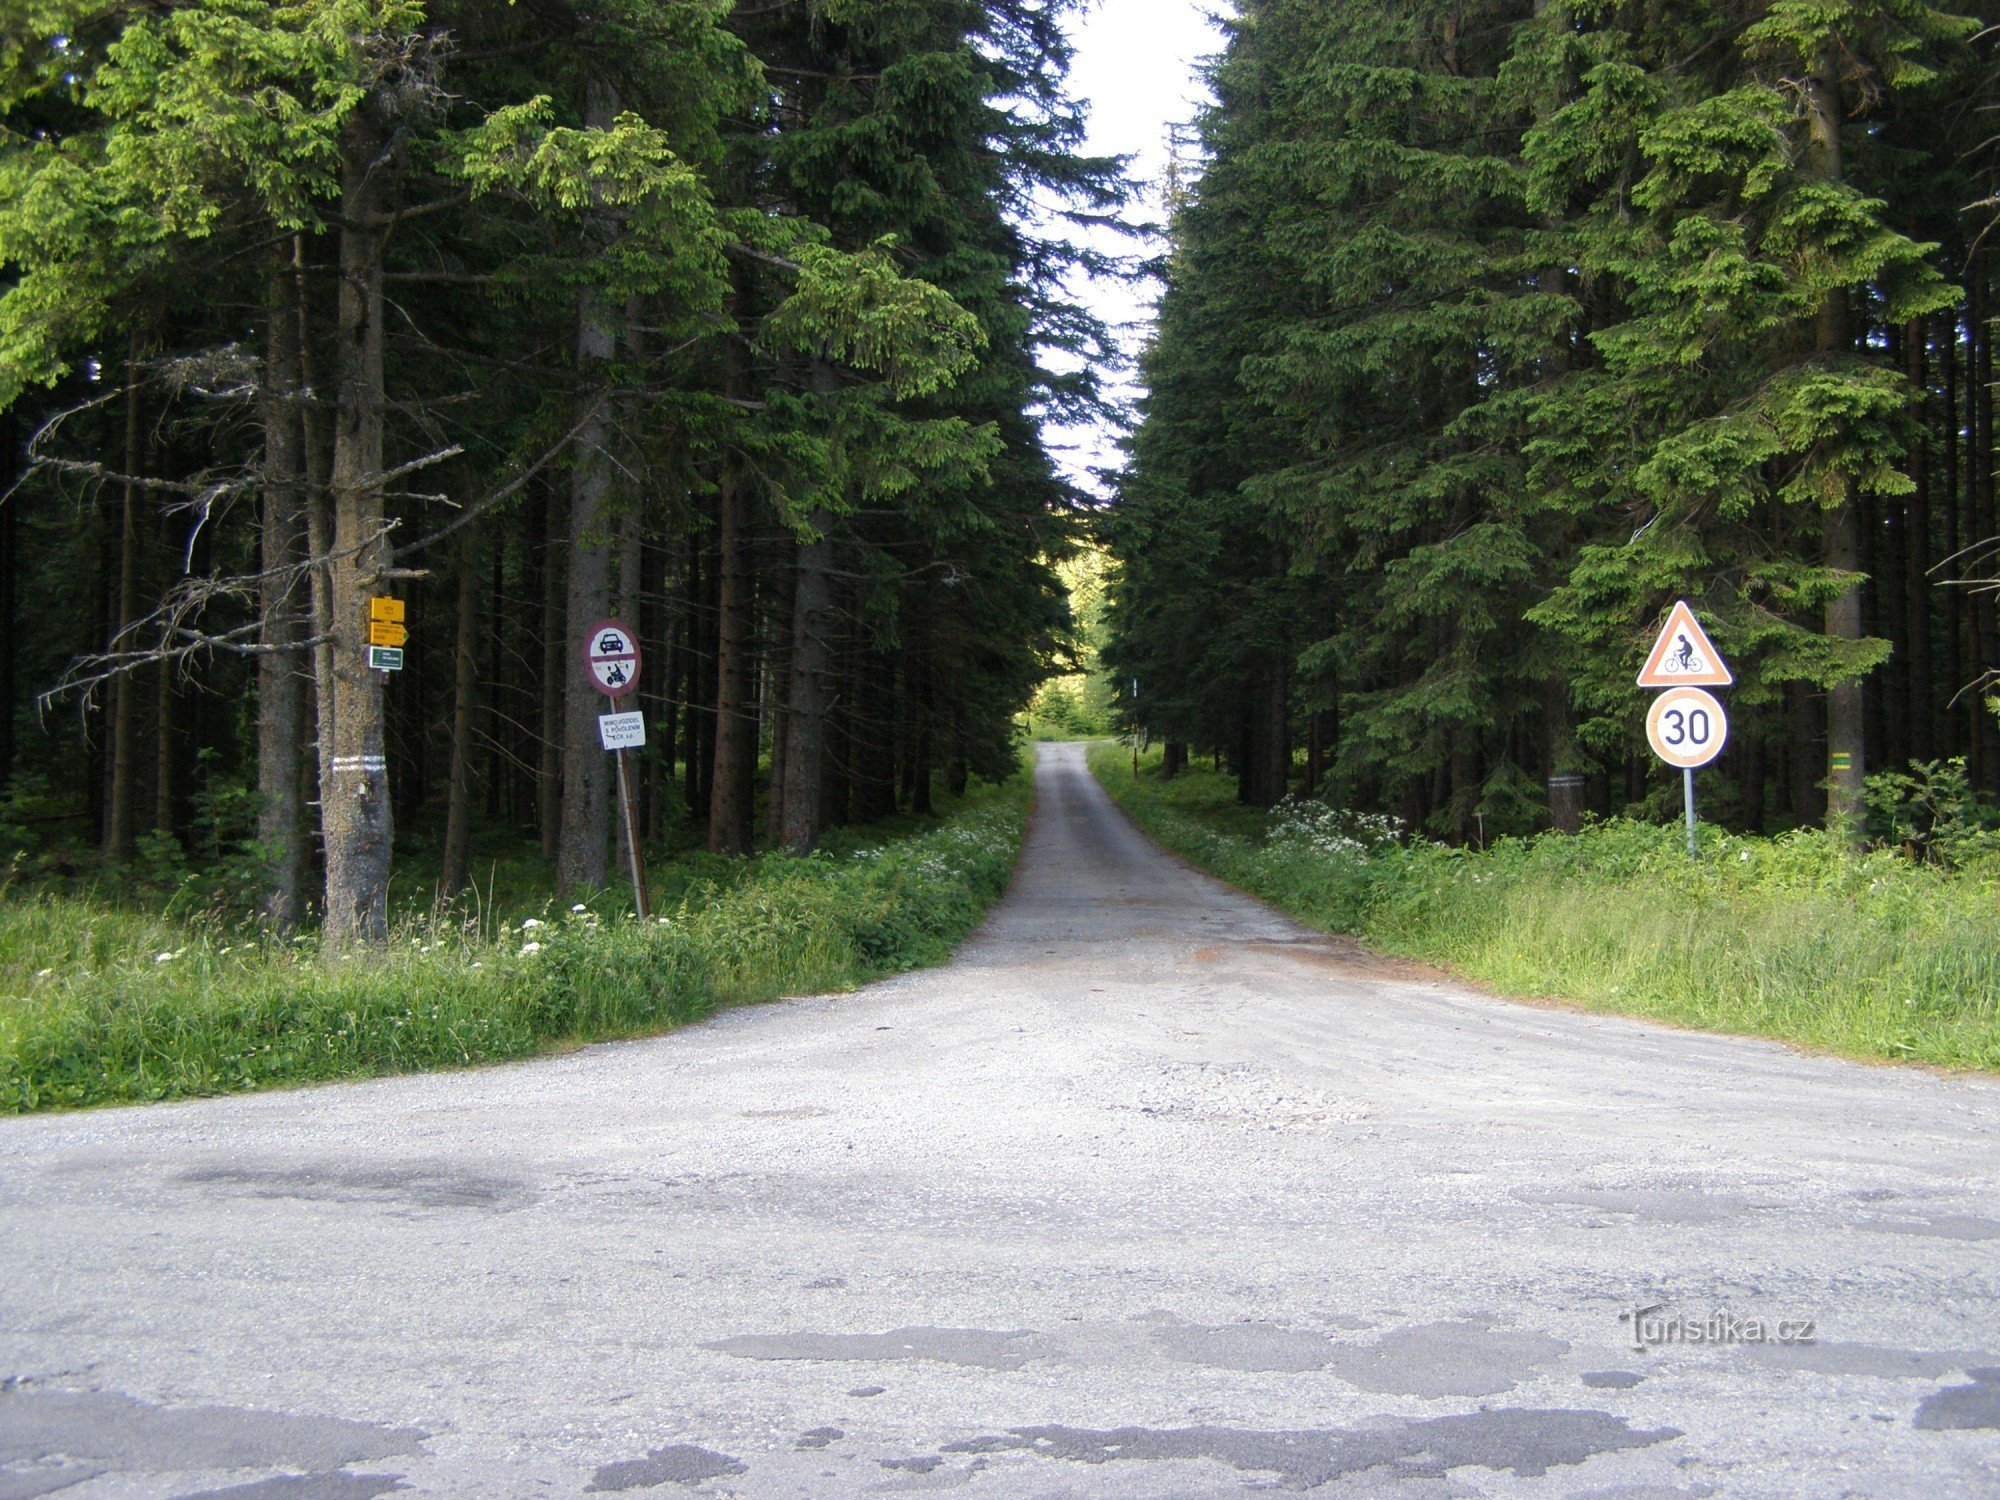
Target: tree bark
10	639
357	823
808	701
464	709
120	818
779	695
281	669
1847	760
549	760
731	799
1985	728
583	850
1917	553
166	726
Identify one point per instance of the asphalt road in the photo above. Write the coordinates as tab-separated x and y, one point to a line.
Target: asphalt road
1149	1193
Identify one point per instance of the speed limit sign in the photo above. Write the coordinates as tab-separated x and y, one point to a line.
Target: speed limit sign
1687	727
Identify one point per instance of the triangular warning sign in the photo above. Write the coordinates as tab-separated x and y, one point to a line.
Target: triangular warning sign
1684	656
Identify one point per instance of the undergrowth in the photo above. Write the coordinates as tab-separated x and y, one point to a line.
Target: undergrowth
103	1005
1871	955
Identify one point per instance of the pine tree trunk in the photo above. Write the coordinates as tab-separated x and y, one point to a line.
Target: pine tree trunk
785	580
730	808
464	708
282	666
922	752
1847	760
808	699
1986	638
1954	538
549	760
166	720
1917	593
10	638
358	826
120	817
583	852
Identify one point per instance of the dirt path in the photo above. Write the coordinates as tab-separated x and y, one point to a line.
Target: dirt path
1150	1193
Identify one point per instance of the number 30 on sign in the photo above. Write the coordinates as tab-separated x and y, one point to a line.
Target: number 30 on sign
1687	728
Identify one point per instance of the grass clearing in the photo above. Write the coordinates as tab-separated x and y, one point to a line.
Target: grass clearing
1870	956
102	1006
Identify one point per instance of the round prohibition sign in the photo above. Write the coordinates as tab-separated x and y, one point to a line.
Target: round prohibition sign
1687	728
611	652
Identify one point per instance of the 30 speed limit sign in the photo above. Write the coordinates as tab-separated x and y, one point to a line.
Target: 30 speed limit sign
1687	727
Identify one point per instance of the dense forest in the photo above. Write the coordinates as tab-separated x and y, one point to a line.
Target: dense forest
1493	328
737	321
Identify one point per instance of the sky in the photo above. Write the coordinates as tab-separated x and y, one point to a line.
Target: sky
1135	69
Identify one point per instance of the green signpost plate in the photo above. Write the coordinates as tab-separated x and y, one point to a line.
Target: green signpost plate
385	658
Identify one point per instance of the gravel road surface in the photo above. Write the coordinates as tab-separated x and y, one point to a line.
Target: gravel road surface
1150	1193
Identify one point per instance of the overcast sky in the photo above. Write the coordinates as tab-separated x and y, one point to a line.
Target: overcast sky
1135	69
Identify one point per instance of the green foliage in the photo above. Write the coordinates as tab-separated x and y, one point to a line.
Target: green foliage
1488	332
1796	937
103	1006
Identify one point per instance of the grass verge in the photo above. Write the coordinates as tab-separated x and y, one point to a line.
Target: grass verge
1870	955
101	1006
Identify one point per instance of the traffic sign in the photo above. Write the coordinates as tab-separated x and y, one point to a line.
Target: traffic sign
388	611
385	659
611	651
1684	656
622	731
381	633
1687	727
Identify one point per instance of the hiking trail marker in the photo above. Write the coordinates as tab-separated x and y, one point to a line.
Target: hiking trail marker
611	653
387	634
1686	727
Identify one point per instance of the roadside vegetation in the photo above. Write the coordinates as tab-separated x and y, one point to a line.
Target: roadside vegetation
102	1004
1885	954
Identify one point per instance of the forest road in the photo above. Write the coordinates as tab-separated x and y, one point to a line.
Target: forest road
1149	1193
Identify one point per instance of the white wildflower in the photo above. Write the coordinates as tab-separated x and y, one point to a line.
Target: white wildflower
579	909
528	948
531	924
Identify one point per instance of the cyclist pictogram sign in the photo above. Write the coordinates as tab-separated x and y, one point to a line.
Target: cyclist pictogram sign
1684	656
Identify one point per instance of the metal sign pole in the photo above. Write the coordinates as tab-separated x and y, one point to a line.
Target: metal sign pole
633	855
1694	849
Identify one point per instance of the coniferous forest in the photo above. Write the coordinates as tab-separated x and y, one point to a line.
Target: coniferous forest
728	320
1493	329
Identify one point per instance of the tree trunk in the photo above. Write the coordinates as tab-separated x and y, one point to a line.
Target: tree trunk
808	700
1986	729
1954	537
922	754
166	725
583	850
549	760
358	826
1917	554
1846	720
779	694
281	668
464	707
10	639
731	799
120	819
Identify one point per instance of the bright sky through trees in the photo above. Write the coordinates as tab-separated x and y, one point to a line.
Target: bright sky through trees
1137	66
